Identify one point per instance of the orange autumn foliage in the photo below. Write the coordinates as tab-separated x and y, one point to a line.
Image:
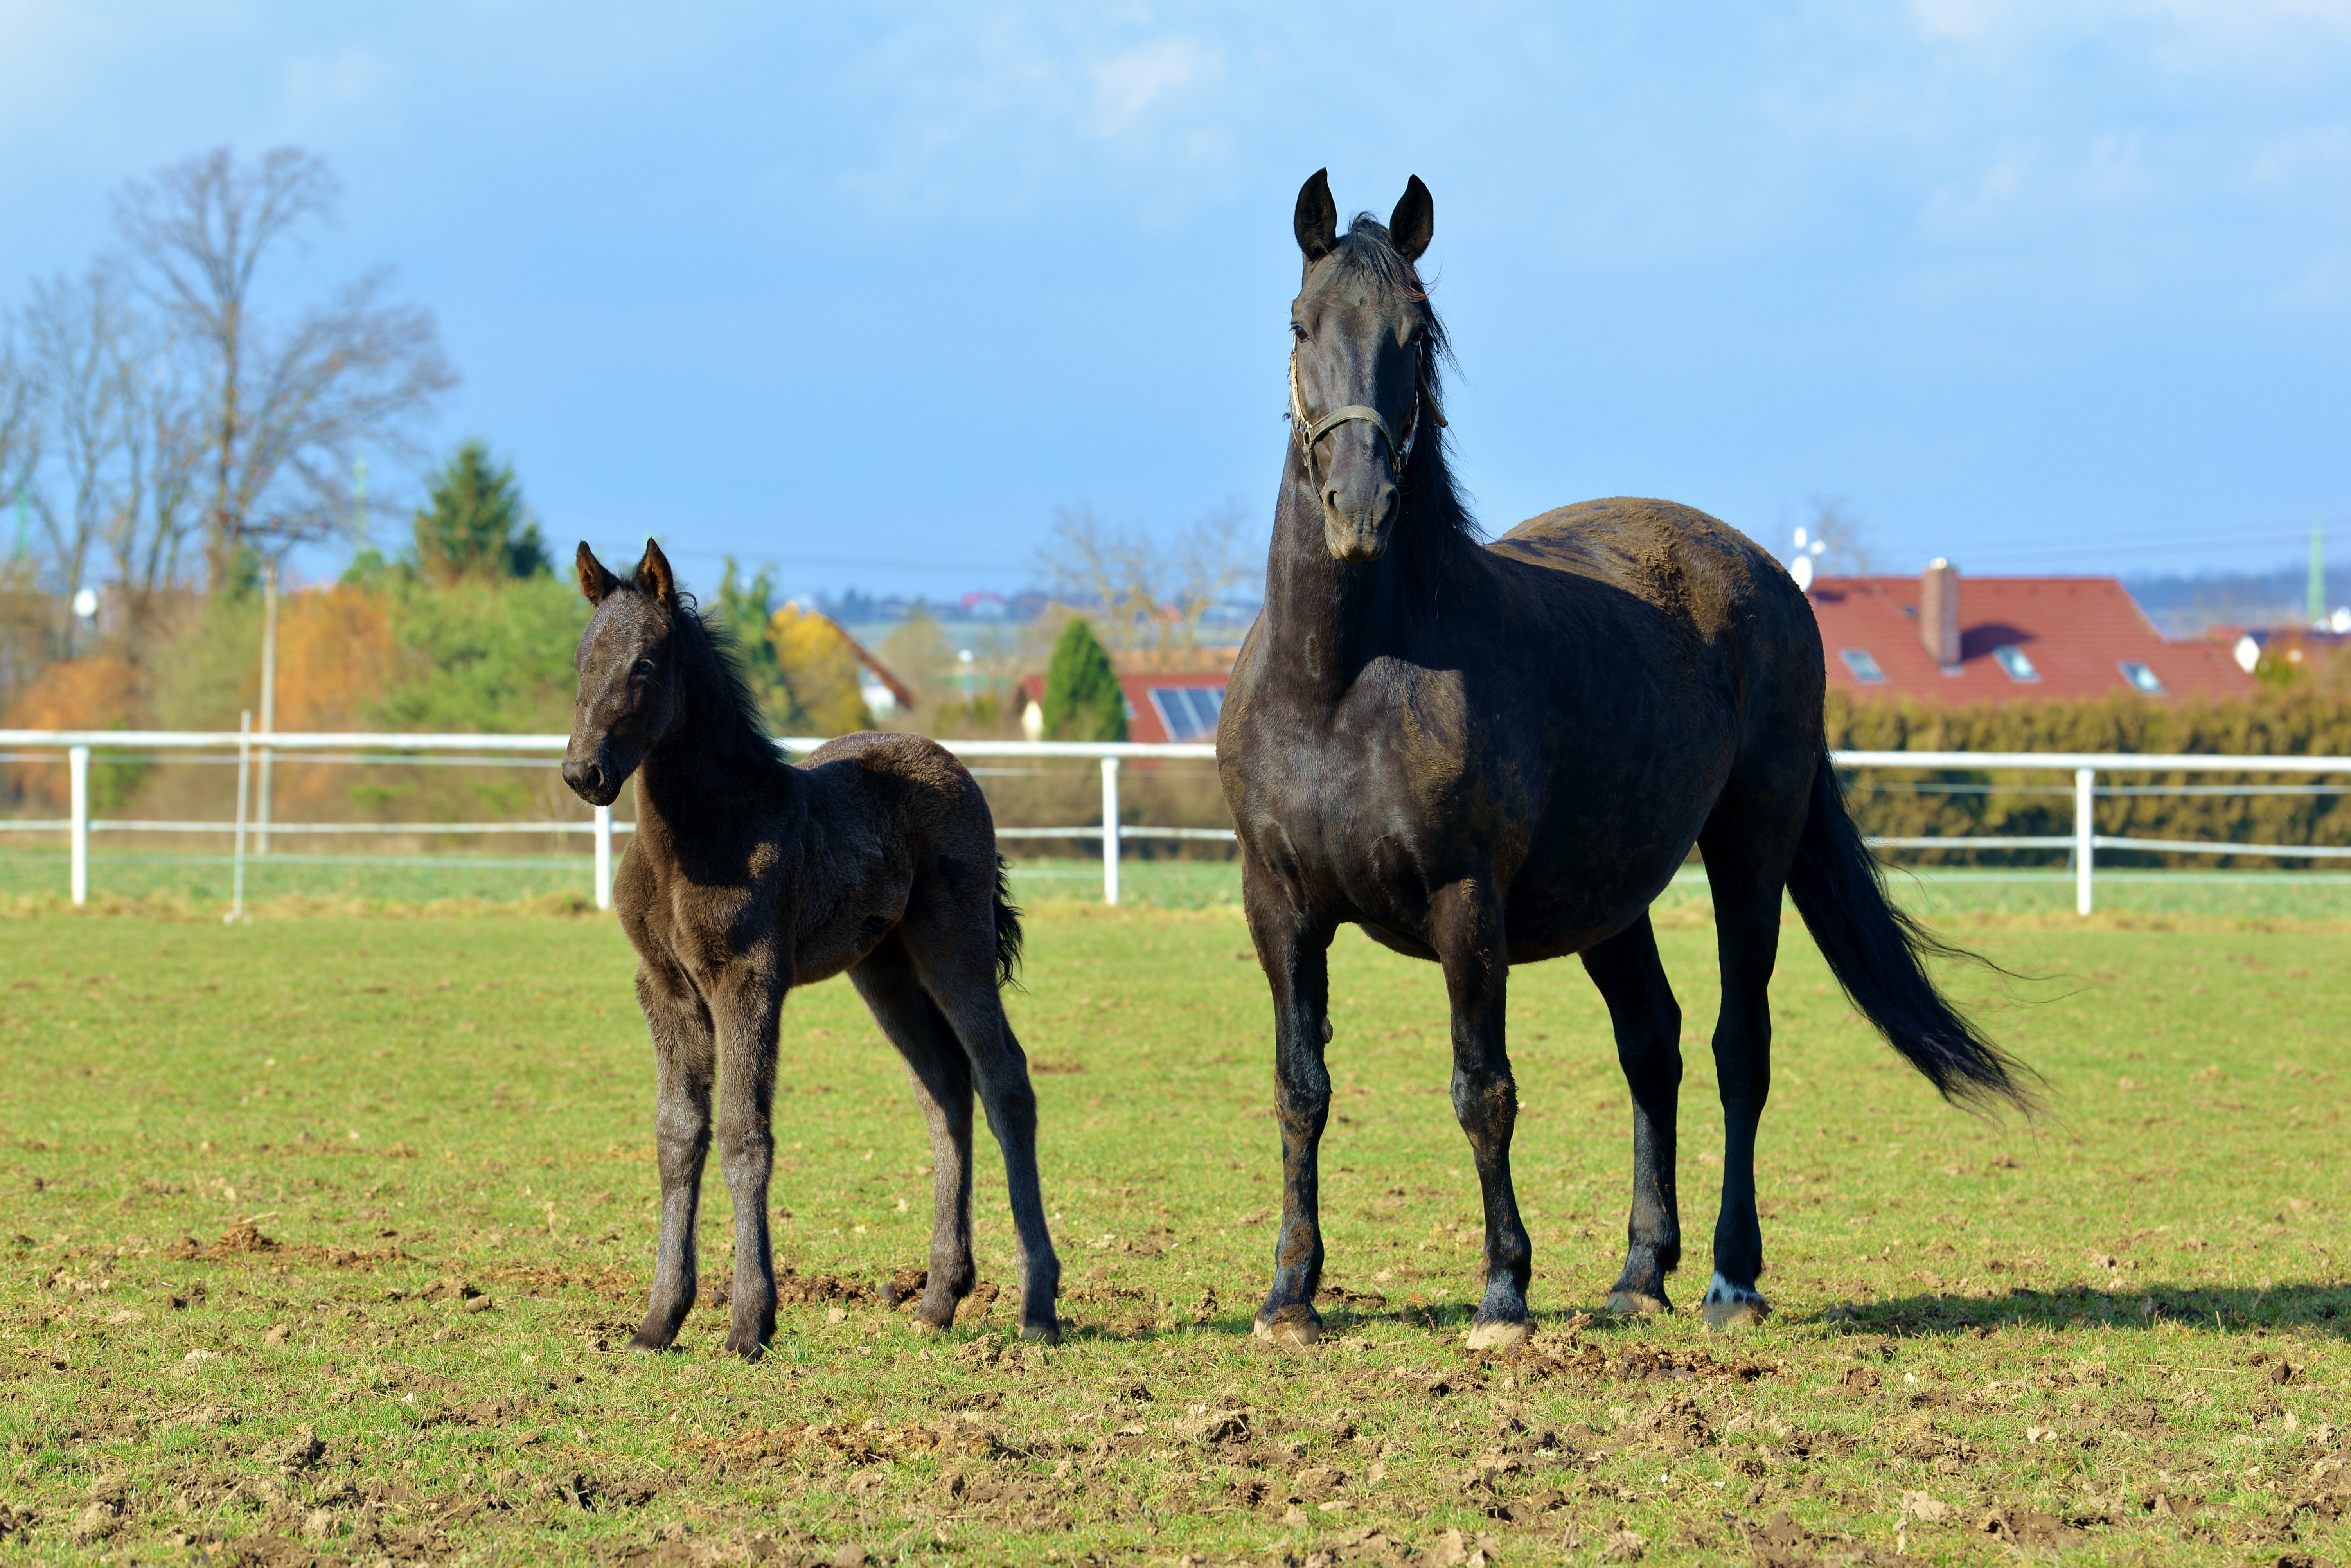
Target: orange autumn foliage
99	692
335	657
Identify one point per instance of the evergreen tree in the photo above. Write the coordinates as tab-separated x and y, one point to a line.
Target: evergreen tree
1083	701
475	524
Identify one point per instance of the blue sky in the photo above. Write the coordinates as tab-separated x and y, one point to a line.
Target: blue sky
868	292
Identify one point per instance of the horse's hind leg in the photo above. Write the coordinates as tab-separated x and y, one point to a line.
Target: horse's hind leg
941	1076
959	969
1648	1025
1466	928
1748	852
685	1059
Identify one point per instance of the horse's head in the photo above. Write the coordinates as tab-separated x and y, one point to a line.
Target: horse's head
1363	336
628	679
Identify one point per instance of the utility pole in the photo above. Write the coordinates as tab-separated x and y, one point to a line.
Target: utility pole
268	694
359	499
2316	593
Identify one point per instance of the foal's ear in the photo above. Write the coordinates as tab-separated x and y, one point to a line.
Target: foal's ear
1414	222
654	578
1317	220
596	584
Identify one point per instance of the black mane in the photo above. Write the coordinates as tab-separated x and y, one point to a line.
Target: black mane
732	728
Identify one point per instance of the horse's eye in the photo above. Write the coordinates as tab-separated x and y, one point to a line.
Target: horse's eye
1298	331
645	668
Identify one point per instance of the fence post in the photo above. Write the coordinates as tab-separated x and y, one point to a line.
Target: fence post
268	696
244	775
603	857
77	775
2085	836
1110	830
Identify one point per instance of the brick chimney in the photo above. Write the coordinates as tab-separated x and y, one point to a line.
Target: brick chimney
1938	612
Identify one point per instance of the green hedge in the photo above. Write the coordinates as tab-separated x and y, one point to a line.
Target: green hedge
1989	802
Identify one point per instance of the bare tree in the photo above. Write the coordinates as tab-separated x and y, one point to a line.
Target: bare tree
1837	528
1143	594
20	427
76	334
285	408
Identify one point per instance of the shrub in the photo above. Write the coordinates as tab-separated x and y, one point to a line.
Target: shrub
1083	701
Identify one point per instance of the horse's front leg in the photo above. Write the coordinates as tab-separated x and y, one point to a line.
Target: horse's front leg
1466	929
749	1010
684	1061
1296	962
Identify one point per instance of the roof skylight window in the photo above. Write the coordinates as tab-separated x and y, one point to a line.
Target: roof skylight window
1863	667
2012	658
2140	676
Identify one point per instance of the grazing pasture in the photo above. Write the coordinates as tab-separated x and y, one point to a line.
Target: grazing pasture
322	1238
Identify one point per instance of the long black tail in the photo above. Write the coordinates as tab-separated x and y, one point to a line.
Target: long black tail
1878	954
1007	927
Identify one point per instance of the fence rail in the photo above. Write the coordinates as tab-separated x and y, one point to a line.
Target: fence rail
246	746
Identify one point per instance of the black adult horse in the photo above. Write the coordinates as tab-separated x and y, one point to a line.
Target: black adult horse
1489	755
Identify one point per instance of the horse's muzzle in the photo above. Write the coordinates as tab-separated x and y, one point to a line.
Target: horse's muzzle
1356	542
597	776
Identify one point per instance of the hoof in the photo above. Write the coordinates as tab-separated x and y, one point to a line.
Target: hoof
647	1342
1502	1334
921	1324
1294	1327
1637	1303
1729	1306
751	1351
1042	1333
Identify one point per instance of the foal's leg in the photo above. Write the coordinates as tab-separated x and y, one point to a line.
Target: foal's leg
1466	929
941	1076
1648	1025
748	1013
1296	962
956	962
1746	877
685	1057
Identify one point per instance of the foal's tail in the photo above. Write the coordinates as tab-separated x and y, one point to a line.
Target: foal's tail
1008	926
1878	954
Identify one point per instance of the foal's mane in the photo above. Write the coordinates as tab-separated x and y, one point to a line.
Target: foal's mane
732	727
1435	514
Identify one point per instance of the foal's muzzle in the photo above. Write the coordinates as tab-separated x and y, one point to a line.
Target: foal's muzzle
596	776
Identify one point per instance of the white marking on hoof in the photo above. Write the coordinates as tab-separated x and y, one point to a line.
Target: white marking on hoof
1729	1306
1500	1335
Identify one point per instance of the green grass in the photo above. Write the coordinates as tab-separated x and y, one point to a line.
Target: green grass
2065	1334
39	873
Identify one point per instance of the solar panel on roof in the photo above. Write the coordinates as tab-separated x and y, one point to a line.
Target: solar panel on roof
1188	712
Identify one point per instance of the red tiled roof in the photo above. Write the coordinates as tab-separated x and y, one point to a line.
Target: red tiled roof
2077	632
1144	720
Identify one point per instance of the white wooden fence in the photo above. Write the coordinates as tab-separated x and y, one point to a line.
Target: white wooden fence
248	746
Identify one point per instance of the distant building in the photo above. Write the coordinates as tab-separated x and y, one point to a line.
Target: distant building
2302	651
1933	638
1161	704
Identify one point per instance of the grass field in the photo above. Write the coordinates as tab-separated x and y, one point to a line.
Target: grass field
322	1236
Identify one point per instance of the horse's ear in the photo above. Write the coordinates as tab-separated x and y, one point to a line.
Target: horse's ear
1413	223
1317	220
655	580
596	584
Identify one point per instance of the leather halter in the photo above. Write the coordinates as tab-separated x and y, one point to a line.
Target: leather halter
1310	432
